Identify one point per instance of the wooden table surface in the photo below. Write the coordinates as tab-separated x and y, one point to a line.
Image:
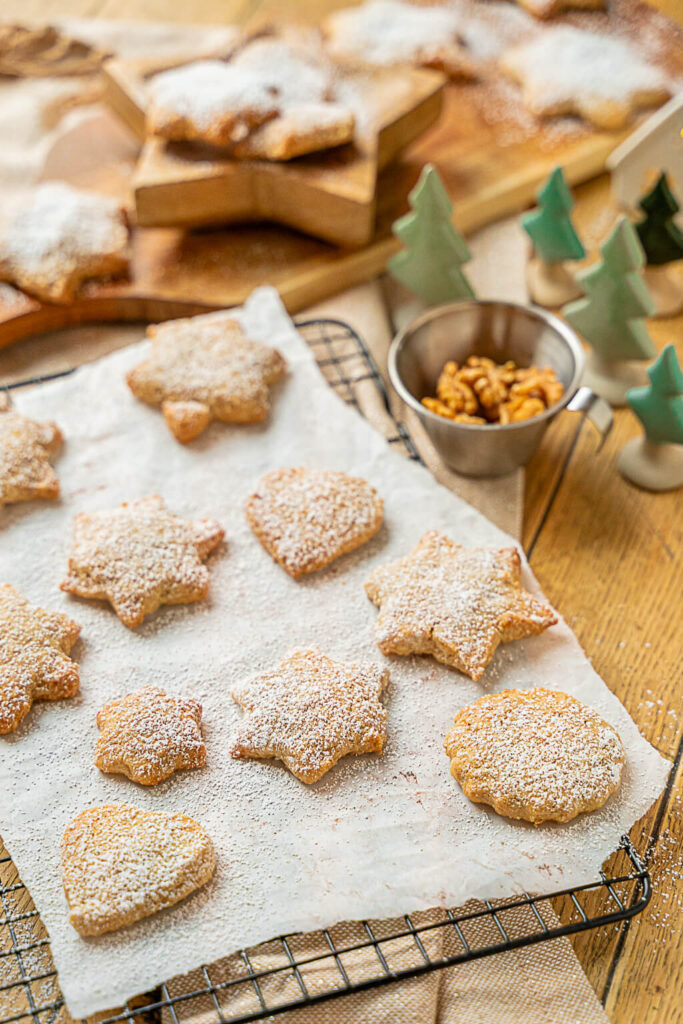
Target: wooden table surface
607	555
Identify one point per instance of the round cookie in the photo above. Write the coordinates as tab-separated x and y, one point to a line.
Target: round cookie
539	755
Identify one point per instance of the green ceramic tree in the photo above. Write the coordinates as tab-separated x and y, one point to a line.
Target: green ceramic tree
659	405
611	316
660	236
434	251
549	227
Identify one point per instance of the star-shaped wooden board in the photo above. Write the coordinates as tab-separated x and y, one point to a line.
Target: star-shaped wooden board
310	711
455	603
330	194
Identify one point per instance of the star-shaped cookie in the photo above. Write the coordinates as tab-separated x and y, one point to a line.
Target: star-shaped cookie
205	368
55	237
25	450
454	603
34	657
383	33
539	755
566	70
120	864
140	556
310	711
305	518
148	735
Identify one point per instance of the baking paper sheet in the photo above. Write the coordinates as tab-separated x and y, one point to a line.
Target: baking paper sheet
378	835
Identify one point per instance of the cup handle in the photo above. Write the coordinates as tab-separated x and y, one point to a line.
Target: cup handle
594	408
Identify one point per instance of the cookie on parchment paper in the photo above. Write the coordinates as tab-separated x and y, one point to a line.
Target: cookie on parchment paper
205	368
455	603
120	864
25	450
566	70
148	735
54	237
311	711
34	657
139	556
539	755
305	518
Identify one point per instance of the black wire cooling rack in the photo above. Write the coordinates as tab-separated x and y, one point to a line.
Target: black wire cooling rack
295	971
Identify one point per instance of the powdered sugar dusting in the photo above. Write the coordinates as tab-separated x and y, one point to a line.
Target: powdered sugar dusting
535	754
307	517
378	835
56	230
121	863
148	735
310	711
566	62
389	31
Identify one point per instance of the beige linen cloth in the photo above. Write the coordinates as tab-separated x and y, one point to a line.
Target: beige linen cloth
539	985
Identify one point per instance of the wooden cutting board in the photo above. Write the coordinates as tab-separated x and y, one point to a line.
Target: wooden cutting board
492	161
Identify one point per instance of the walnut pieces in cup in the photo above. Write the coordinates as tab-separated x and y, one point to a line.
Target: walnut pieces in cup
482	391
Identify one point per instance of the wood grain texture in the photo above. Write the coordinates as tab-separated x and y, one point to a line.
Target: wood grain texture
606	553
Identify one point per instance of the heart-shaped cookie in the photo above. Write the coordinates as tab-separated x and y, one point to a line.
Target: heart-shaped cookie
120	864
305	518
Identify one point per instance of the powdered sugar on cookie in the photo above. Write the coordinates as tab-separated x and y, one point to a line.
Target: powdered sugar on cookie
148	735
26	447
55	236
120	864
567	70
305	518
540	755
311	711
386	32
457	604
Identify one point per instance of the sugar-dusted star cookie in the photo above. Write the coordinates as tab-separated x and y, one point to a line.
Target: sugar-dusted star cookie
566	70
389	32
205	368
305	518
310	711
34	657
55	236
544	9
539	755
454	603
148	735
302	128
120	864
25	449
139	556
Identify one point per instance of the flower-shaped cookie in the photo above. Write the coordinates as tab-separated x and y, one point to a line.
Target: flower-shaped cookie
55	237
148	735
120	864
25	450
34	657
305	518
139	556
205	368
454	603
310	711
567	70
389	32
539	755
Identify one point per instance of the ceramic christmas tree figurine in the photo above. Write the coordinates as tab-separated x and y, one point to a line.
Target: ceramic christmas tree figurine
662	242
655	459
549	280
611	315
434	251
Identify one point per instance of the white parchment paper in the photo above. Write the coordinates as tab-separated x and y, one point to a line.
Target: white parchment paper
378	835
